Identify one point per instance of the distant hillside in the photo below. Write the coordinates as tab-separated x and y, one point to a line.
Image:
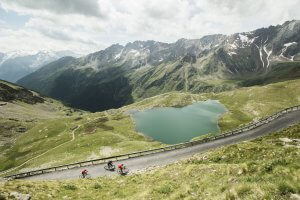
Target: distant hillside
120	75
10	92
42	79
17	64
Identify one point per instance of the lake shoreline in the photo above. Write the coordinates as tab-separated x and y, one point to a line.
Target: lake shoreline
201	115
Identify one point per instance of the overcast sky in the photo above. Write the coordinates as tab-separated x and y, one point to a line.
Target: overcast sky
85	26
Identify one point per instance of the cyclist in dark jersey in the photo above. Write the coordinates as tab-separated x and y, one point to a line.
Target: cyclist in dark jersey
109	164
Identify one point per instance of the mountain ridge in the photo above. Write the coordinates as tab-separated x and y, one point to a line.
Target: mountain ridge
120	75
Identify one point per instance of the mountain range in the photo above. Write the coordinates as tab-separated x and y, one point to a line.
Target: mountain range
17	64
119	75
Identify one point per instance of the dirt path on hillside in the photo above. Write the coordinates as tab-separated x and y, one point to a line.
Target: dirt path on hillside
73	138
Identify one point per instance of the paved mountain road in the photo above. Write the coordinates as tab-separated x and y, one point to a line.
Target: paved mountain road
167	157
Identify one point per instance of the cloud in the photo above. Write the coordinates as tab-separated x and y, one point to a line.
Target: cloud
86	7
90	25
2	23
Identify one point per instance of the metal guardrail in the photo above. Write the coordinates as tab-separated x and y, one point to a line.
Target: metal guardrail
247	127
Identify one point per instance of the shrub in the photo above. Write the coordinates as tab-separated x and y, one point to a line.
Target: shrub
97	186
165	189
285	188
268	167
70	187
216	159
2	197
229	196
281	161
223	188
252	167
244	190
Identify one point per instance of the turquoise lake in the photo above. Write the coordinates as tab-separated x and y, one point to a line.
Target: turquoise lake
176	125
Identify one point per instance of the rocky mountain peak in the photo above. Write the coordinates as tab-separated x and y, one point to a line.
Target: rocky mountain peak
121	74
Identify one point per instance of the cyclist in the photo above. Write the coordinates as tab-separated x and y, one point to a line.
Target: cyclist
121	167
109	164
84	173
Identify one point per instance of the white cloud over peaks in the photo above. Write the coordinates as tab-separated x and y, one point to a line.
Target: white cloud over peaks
85	26
84	7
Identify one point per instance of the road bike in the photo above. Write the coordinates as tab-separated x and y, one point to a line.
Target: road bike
108	168
124	171
85	176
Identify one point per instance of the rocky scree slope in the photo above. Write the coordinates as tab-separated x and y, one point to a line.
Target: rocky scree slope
121	75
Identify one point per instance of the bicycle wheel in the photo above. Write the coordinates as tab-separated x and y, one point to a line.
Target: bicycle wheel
126	171
88	176
123	172
110	168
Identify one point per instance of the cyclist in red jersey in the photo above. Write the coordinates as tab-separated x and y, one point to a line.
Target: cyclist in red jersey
84	173
120	166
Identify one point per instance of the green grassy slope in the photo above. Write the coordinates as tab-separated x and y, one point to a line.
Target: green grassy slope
81	137
112	132
48	133
281	71
20	110
264	168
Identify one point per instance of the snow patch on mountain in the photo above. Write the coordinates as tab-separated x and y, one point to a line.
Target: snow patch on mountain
119	55
233	46
232	53
286	46
244	38
260	54
134	53
268	55
39	57
292	58
289	44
